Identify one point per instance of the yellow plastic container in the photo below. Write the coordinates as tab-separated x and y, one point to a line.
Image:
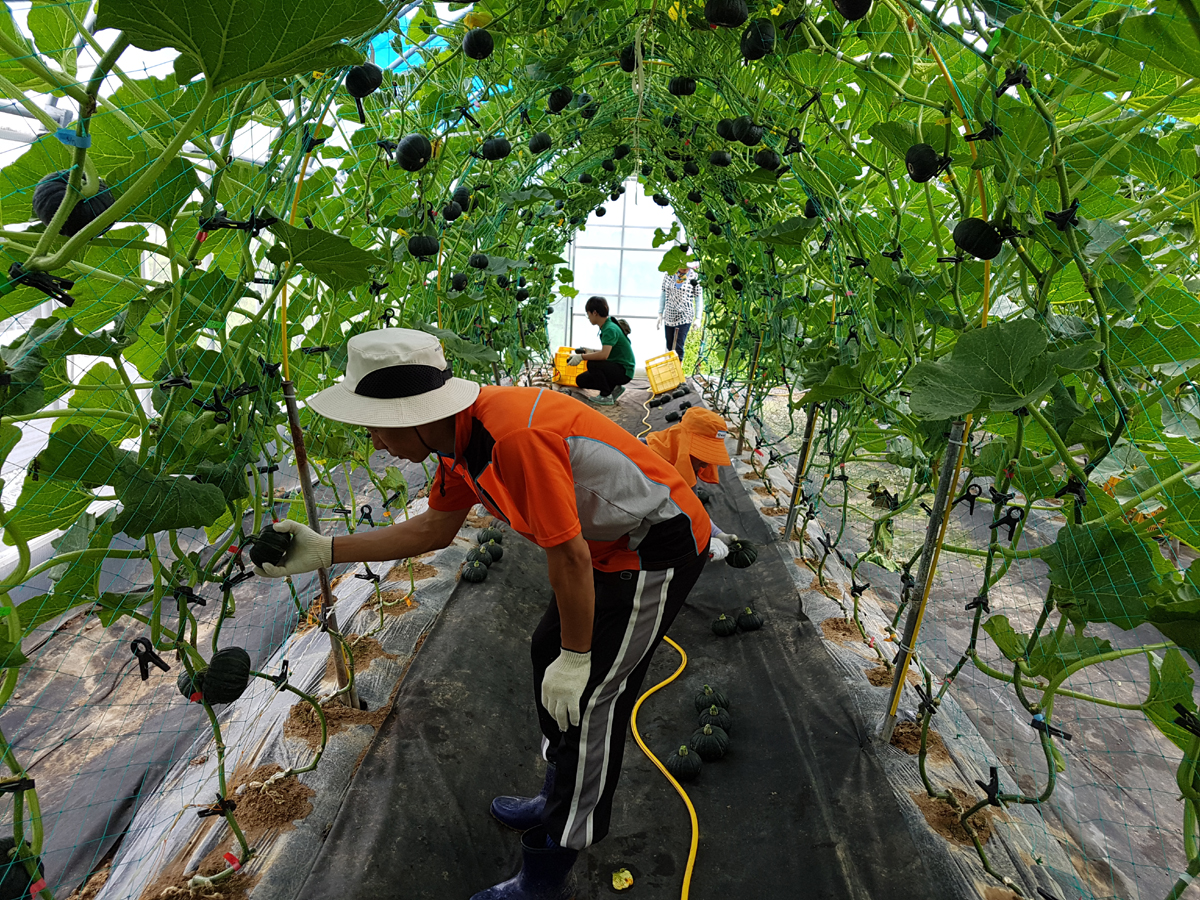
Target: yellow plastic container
563	373
665	372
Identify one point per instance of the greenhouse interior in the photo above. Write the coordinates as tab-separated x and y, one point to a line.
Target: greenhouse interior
808	375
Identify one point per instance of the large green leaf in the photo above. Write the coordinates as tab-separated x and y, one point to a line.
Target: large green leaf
46	504
1171	683
54	32
1009	642
102	388
78	454
331	257
1001	367
1161	39
237	41
1055	652
160	502
203	296
78	577
169	192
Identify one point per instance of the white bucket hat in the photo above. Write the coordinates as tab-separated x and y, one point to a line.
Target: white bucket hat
395	378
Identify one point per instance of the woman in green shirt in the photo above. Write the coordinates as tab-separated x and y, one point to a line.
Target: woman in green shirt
610	367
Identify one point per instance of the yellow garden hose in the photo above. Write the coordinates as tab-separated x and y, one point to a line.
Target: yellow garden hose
691	862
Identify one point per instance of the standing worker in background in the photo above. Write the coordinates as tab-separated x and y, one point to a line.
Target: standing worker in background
611	367
679	306
625	541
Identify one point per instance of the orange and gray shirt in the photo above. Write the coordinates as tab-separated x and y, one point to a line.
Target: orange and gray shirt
553	468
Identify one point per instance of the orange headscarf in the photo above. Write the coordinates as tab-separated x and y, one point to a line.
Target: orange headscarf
695	435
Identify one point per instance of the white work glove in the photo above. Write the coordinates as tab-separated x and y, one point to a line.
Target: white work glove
563	684
309	551
574	359
717	550
724	538
658	325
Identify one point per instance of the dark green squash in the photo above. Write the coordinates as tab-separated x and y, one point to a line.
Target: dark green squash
720	158
615	195
922	162
413	152
458	281
191	687
628	58
723	626
710	696
681	86
15	882
811	210
683	765
522	295
672	175
540	142
621	151
758	39
587	106
717	717
766	158
48	195
853	10
690	168
585	178
493	534
725	130
270	546
478	261
227	675
746	132
695	197
749	620
362	81
423	246
733	269
451	211
599	212
559	98
494	550
736	284
496	148
742	554
479	554
714	229
710	741
978	238
726	13
478	43
647	170
474	572
466	201
661	199
608	165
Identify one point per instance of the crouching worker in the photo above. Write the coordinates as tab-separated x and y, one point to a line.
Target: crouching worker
610	368
625	540
694	447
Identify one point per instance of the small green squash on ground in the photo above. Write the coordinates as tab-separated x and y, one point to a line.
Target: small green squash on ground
495	551
270	546
48	195
710	696
716	716
749	620
413	152
474	572
742	554
227	675
492	534
723	626
481	555
683	765
710	741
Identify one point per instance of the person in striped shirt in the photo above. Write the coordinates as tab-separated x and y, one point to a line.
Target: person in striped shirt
679	305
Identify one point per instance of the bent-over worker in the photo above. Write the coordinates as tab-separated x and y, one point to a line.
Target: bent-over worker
625	540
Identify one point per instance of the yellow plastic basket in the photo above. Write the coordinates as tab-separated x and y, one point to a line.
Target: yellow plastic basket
563	373
665	372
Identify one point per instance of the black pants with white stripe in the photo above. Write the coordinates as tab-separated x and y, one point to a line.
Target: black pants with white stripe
634	609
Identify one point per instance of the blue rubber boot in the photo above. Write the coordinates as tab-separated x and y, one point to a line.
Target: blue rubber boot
547	872
523	813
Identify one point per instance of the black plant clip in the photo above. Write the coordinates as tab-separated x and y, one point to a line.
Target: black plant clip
386	145
370	576
223	412
1063	220
999	498
175	381
1075	488
50	285
1039	724
794	144
525	116
308	222
466	114
16	785
282	678
789	27
970	495
809	102
856	262
264	470
992	788
825	241
257	280
365	515
980	602
951	259
852	335
841	475
989	132
1012	515
269	370
188	594
928	511
896	254
1016	76
144	651
219	808
856	589
387	316
313	351
245	389
376	288
827	543
234	580
342	510
907	582
1187	720
928	704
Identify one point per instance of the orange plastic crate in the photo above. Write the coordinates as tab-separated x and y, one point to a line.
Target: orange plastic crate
665	372
563	373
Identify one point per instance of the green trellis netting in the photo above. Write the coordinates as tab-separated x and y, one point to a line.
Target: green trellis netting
912	220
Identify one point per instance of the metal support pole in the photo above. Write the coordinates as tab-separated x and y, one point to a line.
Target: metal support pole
810	427
328	616
934	534
749	396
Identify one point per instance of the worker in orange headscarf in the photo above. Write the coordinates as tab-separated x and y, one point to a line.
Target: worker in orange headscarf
694	447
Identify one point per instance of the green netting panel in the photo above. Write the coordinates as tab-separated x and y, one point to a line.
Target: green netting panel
904	218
